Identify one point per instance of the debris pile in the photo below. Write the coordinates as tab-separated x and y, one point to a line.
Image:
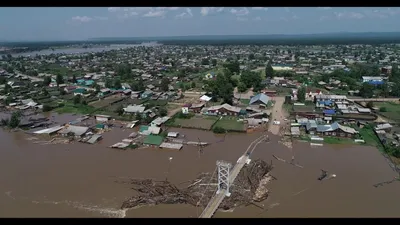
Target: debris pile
246	189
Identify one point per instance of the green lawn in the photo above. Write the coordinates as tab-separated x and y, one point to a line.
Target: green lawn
230	124
78	109
368	135
392	110
338	140
245	101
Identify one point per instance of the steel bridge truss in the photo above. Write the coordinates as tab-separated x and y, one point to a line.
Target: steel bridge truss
223	177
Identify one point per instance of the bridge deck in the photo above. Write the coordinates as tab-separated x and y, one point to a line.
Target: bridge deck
217	199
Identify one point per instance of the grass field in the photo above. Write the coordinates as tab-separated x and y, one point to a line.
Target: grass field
78	109
392	110
104	102
195	122
230	124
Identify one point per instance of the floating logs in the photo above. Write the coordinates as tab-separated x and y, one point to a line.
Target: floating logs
248	187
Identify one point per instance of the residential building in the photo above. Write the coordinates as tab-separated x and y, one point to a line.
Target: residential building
225	109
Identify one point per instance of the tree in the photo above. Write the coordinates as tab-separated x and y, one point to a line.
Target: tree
117	84
47	108
59	79
193	85
74	79
383	109
205	61
45	92
165	84
46	81
234	67
301	94
370	105
242	87
3	80
214	62
269	71
97	87
366	90
77	99
108	83
251	56
120	110
138	116
15	120
163	111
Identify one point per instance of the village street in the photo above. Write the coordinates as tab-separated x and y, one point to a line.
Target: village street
277	114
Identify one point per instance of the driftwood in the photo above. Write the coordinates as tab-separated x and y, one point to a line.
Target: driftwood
199	191
291	162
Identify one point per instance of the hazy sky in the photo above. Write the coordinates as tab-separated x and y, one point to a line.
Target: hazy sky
51	23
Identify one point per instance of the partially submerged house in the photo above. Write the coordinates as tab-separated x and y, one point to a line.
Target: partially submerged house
153	140
225	110
75	131
334	129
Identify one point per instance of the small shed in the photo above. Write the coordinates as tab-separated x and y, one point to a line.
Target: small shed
102	118
173	134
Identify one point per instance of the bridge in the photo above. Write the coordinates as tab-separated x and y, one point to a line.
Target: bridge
226	177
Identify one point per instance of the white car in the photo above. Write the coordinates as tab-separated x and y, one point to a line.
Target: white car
277	122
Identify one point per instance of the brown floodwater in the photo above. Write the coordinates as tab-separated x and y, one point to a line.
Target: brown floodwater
78	180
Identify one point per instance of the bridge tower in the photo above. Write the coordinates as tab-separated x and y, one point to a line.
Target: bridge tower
223	177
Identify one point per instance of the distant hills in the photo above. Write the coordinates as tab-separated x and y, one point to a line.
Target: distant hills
258	37
281	39
272	39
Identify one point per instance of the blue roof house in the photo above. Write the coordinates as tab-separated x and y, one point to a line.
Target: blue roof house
259	99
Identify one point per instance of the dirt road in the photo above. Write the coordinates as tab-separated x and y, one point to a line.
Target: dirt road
277	114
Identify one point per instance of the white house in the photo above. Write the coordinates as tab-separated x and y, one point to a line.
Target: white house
374	79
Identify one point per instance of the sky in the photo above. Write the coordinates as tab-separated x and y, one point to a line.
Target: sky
81	23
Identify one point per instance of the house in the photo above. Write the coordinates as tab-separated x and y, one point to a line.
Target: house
153	140
135	94
147	130
205	98
134	109
196	108
102	118
333	98
69	89
210	75
335	129
386	127
72	130
270	93
373	79
173	134
49	131
259	99
225	109
104	92
159	121
146	94
79	91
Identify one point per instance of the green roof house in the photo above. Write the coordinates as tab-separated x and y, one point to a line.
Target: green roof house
154	140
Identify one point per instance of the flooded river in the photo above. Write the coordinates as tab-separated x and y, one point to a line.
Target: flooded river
70	51
78	180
